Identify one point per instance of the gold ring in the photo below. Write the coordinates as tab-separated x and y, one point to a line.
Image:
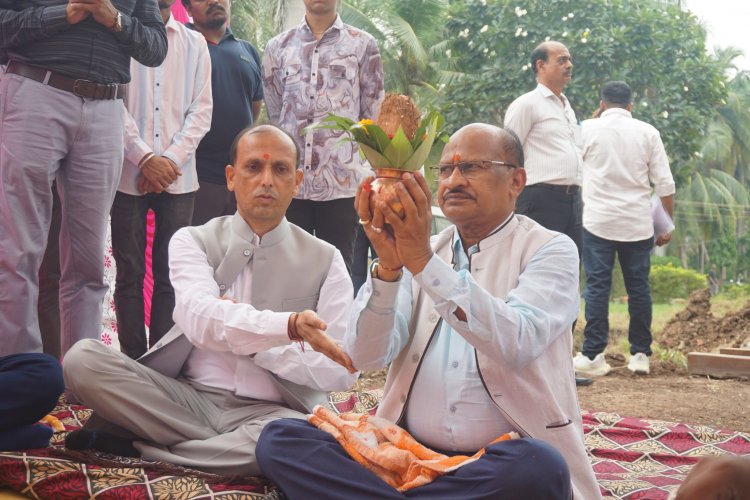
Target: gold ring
364	222
376	229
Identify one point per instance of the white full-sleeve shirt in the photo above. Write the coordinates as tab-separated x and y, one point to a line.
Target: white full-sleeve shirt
550	134
168	109
228	331
622	157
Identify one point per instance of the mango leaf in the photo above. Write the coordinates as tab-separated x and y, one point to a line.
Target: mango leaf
331	122
433	118
380	136
423	151
361	134
399	150
376	159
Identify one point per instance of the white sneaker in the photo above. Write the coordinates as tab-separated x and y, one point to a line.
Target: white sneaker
639	364
596	368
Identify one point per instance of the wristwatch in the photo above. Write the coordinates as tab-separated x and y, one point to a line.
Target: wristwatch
117	26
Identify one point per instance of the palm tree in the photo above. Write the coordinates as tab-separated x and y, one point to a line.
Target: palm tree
713	206
258	20
411	43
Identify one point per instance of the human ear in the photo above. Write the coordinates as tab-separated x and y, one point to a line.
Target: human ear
229	173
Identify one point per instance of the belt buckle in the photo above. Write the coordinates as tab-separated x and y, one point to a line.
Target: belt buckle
83	88
112	91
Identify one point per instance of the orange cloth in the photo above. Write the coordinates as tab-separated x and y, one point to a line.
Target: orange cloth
388	450
53	422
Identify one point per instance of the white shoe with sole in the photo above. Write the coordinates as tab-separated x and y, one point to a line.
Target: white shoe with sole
639	364
591	368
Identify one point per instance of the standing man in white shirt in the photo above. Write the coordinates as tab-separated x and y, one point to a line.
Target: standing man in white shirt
550	134
274	319
168	111
622	157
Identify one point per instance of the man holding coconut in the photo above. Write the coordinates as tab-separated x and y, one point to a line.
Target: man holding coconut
475	325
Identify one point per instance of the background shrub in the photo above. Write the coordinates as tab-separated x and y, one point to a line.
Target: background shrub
670	282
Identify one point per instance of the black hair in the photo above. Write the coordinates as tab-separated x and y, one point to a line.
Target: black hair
617	93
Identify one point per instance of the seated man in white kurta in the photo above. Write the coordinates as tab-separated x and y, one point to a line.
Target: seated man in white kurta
262	304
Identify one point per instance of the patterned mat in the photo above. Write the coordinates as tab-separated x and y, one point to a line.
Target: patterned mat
632	459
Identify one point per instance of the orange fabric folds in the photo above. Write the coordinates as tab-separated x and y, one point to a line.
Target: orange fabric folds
388	450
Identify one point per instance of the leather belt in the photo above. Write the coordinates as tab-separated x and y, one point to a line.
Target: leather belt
81	88
571	189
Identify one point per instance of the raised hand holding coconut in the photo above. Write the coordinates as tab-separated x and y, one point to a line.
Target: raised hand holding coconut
397	142
411	231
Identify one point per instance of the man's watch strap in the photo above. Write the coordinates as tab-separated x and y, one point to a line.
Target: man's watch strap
117	26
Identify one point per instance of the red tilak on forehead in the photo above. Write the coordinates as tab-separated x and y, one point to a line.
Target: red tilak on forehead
456	158
266	156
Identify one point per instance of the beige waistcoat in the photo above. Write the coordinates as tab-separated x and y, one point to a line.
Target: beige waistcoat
539	397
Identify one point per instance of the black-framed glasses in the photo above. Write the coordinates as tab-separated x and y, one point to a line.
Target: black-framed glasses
468	169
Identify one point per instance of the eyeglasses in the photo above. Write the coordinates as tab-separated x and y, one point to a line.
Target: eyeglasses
468	169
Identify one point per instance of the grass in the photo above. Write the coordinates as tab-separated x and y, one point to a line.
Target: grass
662	313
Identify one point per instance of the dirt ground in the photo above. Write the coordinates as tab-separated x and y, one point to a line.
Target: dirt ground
668	392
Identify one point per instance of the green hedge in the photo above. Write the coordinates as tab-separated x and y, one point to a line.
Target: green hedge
670	282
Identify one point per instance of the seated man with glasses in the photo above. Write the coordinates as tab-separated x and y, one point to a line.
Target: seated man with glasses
475	325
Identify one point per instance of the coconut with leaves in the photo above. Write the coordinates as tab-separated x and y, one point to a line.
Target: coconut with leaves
398	141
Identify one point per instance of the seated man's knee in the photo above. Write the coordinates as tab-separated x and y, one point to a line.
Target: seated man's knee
276	437
540	470
51	384
77	364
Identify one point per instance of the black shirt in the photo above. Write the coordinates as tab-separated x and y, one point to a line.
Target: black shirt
236	83
37	32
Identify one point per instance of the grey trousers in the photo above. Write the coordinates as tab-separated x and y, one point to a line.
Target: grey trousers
178	421
48	133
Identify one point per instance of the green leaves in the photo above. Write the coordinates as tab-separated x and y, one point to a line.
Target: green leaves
382	151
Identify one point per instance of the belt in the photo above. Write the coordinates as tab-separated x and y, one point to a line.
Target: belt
571	189
81	88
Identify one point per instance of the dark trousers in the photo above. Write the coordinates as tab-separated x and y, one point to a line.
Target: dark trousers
172	211
598	262
48	307
30	385
555	208
334	221
308	463
211	201
363	251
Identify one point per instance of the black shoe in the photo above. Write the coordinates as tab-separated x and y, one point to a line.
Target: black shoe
87	440
581	381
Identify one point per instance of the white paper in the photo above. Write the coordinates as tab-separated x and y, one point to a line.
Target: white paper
663	223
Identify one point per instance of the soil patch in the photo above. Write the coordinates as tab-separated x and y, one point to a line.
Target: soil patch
669	393
696	329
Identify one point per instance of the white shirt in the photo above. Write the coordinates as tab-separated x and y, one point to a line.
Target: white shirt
226	333
621	157
168	109
448	406
550	134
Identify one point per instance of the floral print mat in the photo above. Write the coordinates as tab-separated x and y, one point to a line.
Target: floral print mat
632	459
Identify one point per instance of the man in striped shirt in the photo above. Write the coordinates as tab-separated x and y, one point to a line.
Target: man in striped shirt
61	116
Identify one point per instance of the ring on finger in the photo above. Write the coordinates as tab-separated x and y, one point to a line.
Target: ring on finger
364	222
376	229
